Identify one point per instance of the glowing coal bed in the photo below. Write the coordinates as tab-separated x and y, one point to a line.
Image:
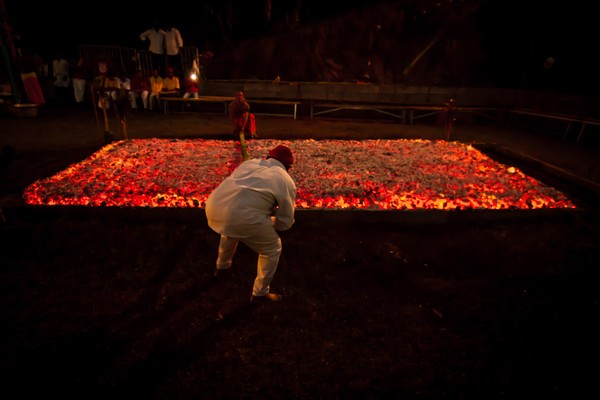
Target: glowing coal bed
329	174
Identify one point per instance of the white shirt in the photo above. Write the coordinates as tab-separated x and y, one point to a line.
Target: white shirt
125	83
157	40
60	69
249	196
173	42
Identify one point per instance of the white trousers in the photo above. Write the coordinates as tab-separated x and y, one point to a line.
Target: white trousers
133	99
79	89
263	240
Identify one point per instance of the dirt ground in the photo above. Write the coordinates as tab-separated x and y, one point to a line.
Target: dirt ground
120	303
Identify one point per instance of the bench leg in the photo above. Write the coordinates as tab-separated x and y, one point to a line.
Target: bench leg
567	130
580	133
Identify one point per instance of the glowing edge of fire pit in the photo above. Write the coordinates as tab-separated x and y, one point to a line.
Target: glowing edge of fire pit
358	164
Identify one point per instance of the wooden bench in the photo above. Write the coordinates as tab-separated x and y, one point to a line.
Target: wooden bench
569	119
407	113
225	100
294	104
396	111
416	112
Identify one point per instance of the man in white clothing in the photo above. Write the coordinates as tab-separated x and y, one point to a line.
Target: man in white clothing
156	36
250	206
62	78
173	45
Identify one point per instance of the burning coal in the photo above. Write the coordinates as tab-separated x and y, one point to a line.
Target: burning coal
330	174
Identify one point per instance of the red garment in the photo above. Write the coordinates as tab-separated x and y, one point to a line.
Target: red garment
33	88
191	86
139	83
250	124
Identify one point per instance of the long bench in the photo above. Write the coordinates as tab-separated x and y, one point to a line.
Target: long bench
225	100
407	113
293	103
569	119
396	111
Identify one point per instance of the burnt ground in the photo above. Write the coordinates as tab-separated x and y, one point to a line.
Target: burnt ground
120	303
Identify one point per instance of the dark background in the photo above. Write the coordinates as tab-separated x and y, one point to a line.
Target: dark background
516	36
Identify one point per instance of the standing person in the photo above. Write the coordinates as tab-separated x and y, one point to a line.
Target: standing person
449	116
79	79
250	206
241	118
173	45
140	88
156	36
62	79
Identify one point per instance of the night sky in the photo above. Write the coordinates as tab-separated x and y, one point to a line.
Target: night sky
511	30
121	22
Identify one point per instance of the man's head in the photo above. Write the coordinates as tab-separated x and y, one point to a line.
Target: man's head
239	96
283	154
170	72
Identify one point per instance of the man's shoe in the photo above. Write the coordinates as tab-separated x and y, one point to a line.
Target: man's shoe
268	297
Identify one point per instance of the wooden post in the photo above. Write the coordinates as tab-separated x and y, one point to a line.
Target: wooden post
108	135
124	125
449	116
93	93
103	102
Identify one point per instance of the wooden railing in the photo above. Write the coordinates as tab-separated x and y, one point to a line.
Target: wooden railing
569	121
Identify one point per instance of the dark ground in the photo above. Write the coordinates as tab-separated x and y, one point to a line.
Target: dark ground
119	303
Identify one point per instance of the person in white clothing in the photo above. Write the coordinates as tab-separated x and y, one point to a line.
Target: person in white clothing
156	36
62	79
79	80
173	45
250	206
124	81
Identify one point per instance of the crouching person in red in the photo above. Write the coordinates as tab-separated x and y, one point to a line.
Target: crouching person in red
250	206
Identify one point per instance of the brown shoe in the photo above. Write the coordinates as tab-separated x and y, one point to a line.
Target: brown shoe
268	297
